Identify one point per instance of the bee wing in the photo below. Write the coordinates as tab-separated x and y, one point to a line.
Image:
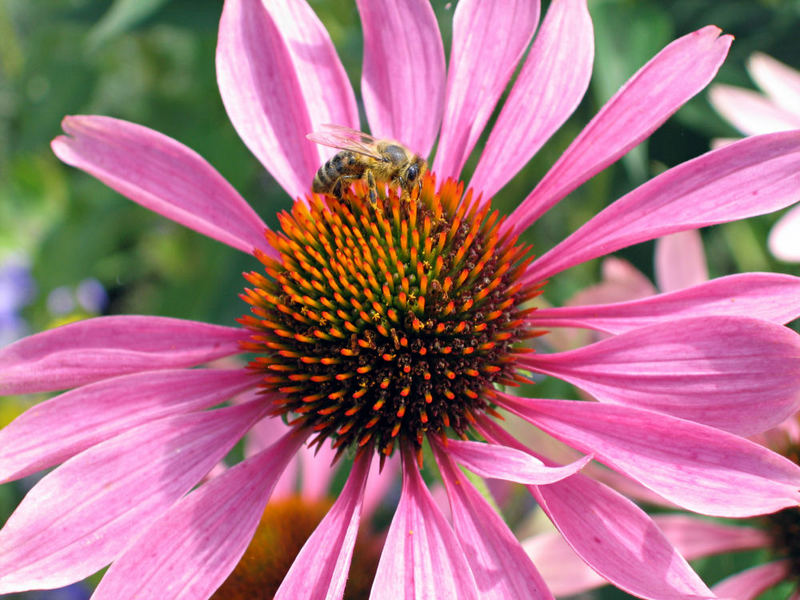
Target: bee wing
344	138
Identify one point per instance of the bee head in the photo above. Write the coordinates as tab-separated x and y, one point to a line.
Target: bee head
415	170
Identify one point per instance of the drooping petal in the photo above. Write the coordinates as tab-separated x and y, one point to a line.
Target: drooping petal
499	462
696	538
548	89
321	568
680	261
488	41
698	467
81	516
162	175
613	535
421	557
48	433
404	71
750	112
189	551
327	92
735	373
94	349
748	584
784	237
501	568
779	81
771	297
657	90
263	95
748	178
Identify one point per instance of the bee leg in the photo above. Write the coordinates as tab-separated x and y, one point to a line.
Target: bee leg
337	189
373	188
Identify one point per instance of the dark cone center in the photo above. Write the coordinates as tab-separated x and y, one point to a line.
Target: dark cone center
387	322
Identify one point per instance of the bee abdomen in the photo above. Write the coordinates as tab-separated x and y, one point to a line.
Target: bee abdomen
326	176
341	163
321	184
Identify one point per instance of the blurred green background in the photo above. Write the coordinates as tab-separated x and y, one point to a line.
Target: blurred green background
152	62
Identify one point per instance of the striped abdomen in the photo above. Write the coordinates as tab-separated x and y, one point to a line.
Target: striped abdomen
342	164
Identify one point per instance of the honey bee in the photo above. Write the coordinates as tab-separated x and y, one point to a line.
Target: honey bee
362	156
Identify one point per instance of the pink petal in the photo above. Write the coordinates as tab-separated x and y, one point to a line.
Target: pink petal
263	94
190	550
767	296
779	81
698	467
321	568
81	516
697	538
102	347
501	568
564	571
609	532
784	238
657	90
403	76
46	434
421	557
736	373
680	261
548	89
162	175
750	583
488	41
751	177
327	93
499	462
750	112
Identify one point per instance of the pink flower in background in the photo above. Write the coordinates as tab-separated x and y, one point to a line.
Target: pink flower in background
777	109
385	328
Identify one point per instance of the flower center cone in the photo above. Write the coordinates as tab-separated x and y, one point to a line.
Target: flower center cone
382	323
